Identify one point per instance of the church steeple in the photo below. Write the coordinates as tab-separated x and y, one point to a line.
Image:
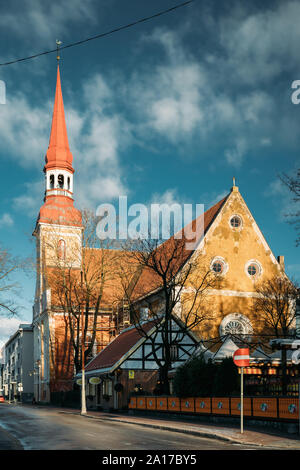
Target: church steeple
58	205
58	154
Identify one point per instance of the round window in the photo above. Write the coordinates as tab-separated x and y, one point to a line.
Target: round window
236	221
219	266
253	269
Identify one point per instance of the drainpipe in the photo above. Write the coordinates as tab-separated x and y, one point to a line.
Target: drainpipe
298	317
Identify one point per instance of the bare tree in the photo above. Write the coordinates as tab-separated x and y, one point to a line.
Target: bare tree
168	280
293	183
275	306
82	288
8	266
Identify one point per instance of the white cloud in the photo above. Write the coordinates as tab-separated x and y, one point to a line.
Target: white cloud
30	201
235	155
45	19
257	44
6	220
282	197
24	130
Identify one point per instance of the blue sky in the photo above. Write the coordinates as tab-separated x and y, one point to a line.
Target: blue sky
169	110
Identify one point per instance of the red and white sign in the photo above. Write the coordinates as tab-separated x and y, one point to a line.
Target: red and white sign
241	357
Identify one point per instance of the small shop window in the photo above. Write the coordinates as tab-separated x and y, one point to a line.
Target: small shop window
107	387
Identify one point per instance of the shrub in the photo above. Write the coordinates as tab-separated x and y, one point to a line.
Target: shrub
199	378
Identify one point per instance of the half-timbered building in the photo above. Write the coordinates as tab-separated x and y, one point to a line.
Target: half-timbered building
128	364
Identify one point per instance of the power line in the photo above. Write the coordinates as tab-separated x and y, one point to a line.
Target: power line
101	35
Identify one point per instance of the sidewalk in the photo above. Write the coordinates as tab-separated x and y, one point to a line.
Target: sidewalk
255	437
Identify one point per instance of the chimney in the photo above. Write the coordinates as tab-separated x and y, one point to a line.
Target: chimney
280	260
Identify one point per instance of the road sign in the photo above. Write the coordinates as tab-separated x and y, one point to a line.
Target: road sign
241	357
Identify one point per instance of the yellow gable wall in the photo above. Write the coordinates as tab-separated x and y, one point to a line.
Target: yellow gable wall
237	247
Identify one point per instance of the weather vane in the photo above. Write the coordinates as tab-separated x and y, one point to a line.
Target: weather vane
58	43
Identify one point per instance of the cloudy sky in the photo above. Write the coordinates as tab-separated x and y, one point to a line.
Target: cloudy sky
169	110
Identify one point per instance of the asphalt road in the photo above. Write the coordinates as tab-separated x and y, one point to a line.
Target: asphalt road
39	428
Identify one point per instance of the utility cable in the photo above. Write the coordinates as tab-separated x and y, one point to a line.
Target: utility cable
101	35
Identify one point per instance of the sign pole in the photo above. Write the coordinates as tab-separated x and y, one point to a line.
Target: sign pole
242	399
241	358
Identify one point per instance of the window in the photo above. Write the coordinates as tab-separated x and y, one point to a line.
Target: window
235	324
219	265
236	221
107	387
174	352
253	269
69	184
51	181
60	180
61	249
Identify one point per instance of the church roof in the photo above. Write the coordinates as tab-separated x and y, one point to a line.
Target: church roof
149	280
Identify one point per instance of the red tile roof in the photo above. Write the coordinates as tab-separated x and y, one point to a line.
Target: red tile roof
149	280
120	346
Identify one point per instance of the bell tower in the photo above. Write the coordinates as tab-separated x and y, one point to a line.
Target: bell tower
58	234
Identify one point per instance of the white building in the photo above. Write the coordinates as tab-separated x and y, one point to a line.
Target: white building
18	372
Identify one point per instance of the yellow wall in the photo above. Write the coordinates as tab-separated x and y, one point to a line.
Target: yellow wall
236	246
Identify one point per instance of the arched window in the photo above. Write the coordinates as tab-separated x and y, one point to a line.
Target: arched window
51	181
60	180
68	184
236	324
62	249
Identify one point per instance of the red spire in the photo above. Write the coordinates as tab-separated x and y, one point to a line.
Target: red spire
58	153
58	207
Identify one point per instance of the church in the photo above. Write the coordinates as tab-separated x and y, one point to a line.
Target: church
232	247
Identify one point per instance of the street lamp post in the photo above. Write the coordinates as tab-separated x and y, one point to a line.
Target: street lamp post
83	399
9	390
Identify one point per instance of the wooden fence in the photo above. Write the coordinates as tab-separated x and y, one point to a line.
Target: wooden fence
255	407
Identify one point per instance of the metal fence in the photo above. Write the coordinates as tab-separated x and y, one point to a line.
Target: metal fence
274	408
